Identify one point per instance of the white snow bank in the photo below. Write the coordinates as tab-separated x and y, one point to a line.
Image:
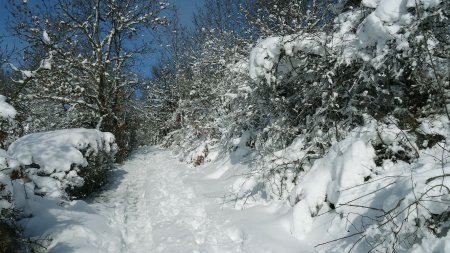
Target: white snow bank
351	195
72	226
6	110
57	156
346	165
58	151
58	225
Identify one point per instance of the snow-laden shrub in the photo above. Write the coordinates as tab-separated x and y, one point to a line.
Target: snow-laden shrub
6	203
388	207
7	113
7	122
385	59
348	118
8	213
59	164
69	162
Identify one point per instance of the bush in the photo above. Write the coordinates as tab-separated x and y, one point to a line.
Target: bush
8	239
68	163
94	175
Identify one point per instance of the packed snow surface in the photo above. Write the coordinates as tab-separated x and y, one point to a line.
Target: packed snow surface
157	204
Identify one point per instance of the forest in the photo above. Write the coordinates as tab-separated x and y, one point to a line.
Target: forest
336	111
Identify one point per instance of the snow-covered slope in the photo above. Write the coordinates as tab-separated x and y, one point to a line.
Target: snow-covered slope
155	203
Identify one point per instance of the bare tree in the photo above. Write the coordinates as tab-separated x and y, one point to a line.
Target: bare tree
91	51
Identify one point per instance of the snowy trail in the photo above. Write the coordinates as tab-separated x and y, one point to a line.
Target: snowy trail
157	211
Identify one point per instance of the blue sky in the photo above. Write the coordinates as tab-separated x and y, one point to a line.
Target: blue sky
186	9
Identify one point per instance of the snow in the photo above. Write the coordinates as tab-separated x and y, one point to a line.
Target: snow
361	192
370	3
424	3
391	11
27	73
155	203
54	158
6	190
46	38
345	178
346	165
381	26
432	245
6	110
56	151
240	67
73	226
266	54
6	162
47	63
384	24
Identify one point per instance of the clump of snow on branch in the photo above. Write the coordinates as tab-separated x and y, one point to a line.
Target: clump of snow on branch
6	110
45	64
46	38
265	56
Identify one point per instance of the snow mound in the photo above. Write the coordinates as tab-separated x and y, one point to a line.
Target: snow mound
358	198
57	151
345	166
62	161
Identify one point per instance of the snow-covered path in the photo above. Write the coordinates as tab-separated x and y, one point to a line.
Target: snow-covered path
154	203
157	211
